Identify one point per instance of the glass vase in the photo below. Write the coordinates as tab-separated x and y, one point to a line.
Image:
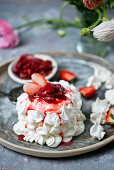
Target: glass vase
90	44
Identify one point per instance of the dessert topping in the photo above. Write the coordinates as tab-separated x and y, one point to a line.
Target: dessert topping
110	116
67	75
87	92
28	64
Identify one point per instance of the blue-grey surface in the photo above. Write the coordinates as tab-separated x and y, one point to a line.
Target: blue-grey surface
47	40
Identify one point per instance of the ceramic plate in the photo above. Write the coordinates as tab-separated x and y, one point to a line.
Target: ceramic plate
77	63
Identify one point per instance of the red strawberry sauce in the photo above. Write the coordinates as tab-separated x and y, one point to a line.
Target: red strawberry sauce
50	93
63	144
21	138
28	64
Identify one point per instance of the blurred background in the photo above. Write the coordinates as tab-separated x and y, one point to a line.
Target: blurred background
34	39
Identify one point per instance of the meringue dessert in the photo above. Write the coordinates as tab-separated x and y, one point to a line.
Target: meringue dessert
49	112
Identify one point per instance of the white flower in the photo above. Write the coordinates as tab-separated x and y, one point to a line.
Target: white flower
104	31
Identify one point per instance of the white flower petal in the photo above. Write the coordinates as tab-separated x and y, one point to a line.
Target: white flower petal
104	31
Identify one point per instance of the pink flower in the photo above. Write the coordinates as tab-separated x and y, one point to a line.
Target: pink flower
92	4
8	37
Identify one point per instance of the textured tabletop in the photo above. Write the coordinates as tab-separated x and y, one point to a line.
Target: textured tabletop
34	40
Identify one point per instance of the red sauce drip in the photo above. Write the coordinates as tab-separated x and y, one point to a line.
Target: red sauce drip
60	119
26	125
21	138
61	134
26	133
29	108
43	118
63	144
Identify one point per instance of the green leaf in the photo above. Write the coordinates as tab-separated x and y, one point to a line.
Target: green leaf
112	116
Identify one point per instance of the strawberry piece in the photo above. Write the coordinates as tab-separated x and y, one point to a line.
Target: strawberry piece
39	79
87	92
31	88
67	75
110	116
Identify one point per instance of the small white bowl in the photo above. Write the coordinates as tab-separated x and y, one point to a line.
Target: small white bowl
14	77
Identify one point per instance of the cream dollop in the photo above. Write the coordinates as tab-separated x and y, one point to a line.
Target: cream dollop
53	141
94	81
50	127
100	76
19	127
109	95
110	82
100	106
97	131
99	111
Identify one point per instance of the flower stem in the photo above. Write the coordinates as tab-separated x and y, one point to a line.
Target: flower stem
32	23
54	22
104	10
98	20
61	12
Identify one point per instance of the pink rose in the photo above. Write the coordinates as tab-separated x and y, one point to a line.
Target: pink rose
8	37
92	4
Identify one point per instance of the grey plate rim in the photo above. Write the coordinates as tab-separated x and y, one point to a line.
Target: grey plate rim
71	152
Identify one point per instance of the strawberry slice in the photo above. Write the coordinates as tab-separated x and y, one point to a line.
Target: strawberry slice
110	116
31	88
67	75
87	92
39	79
